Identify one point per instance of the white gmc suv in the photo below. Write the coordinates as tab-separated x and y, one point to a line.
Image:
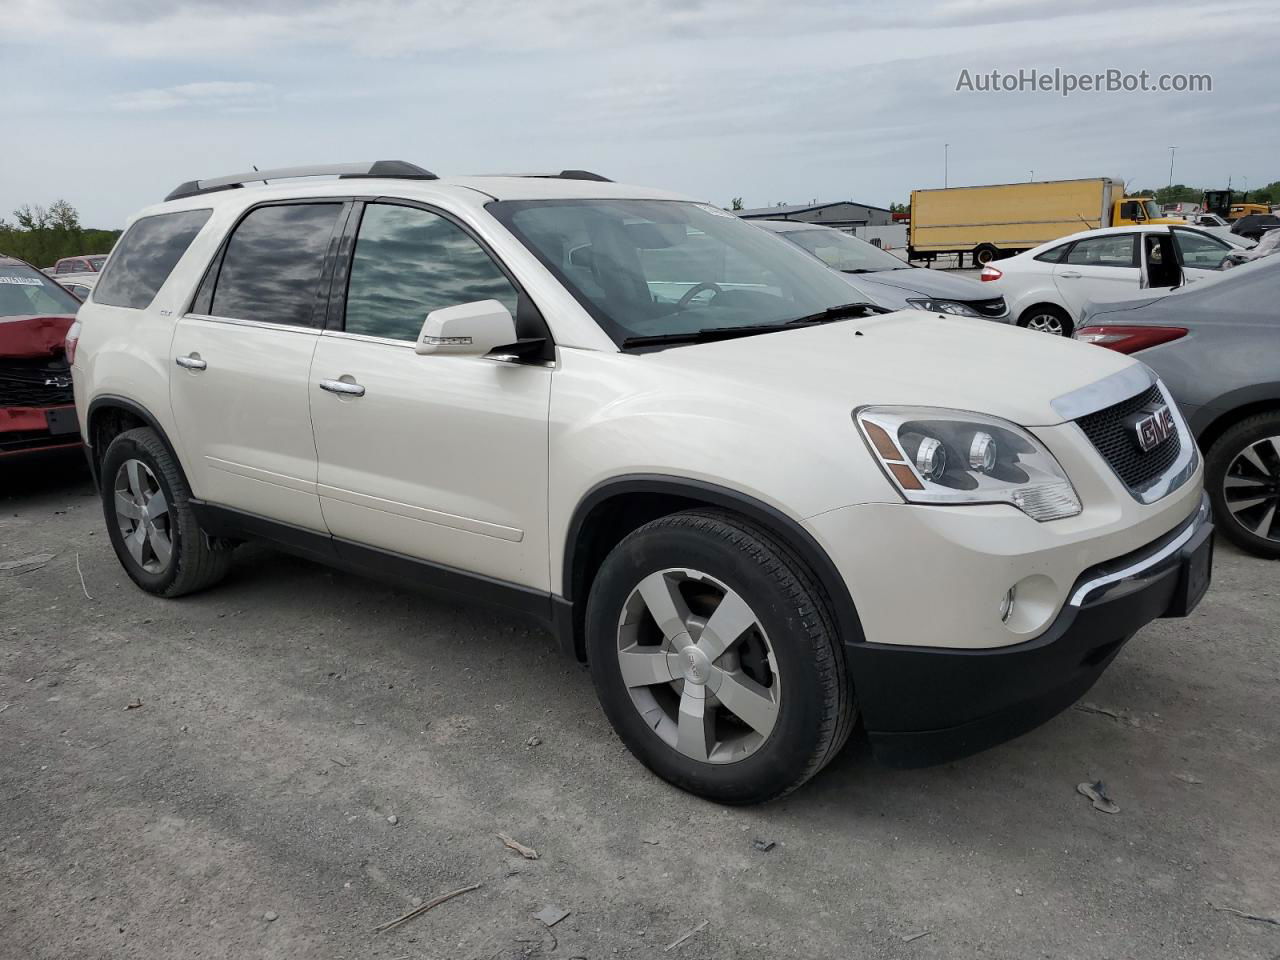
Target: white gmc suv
756	510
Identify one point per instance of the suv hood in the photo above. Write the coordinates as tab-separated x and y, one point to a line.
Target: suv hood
910	358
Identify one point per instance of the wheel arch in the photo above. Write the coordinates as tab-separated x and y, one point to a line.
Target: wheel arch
615	507
1234	407
110	415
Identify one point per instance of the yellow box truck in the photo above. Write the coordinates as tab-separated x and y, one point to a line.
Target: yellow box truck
998	221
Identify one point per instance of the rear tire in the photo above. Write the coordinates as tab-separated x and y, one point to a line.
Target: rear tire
1242	474
147	506
984	254
784	670
1047	318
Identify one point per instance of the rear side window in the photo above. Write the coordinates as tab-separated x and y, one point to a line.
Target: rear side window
273	262
1054	255
145	256
1108	250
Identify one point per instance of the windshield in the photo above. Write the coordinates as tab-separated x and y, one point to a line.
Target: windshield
1152	208
842	251
97	262
25	292
647	268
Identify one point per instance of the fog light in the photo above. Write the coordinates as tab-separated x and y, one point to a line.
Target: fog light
1006	604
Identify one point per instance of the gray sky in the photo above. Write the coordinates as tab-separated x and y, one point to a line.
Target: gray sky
111	103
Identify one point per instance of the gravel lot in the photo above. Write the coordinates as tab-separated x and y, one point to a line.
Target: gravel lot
287	715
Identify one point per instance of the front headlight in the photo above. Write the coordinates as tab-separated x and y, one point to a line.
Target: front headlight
941	456
945	306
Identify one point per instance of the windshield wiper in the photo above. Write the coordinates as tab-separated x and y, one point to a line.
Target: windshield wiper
707	334
842	312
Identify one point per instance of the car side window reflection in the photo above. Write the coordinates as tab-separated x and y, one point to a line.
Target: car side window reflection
409	262
1110	250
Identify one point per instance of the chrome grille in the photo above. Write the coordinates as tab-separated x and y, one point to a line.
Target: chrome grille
1111	431
35	383
989	308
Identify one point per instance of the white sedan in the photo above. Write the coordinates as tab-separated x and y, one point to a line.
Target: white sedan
1046	287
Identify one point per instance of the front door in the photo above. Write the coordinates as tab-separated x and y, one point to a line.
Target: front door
1098	269
437	458
242	360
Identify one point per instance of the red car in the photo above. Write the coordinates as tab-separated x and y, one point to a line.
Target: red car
37	409
86	264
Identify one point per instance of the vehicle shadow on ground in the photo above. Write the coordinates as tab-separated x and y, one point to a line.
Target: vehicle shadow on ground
63	473
523	658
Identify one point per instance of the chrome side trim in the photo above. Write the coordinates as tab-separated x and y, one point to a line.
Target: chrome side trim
1155	562
258	324
366	338
1106	392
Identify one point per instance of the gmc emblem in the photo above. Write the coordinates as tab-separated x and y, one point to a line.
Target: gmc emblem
1154	428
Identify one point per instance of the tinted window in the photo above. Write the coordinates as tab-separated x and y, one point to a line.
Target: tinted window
1054	255
25	292
145	256
272	265
409	262
1197	250
660	267
1110	250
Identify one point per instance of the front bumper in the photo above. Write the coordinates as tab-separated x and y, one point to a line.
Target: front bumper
32	430
925	705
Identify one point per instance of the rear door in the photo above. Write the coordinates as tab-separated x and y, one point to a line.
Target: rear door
243	356
1098	269
441	458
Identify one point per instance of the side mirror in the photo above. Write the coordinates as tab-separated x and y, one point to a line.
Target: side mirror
469	329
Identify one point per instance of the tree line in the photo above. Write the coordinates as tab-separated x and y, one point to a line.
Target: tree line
43	235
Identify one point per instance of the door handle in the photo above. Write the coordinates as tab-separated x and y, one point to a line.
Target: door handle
191	362
1069	275
342	387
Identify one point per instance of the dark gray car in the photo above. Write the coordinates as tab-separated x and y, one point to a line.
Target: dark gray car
887	281
1216	345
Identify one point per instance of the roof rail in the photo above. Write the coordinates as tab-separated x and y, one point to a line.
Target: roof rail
398	169
562	175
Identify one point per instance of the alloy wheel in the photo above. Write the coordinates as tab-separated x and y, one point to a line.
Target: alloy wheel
142	514
698	666
1047	323
1251	488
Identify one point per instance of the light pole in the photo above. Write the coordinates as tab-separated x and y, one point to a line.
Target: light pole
1172	150
1033	177
946	157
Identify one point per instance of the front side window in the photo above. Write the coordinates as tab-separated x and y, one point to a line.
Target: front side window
28	293
1129	210
273	262
1110	250
145	256
95	263
409	262
843	252
646	268
1198	250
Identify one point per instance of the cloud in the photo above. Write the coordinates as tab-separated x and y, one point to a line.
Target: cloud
221	95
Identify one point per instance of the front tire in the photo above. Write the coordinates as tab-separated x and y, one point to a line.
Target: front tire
716	659
1242	473
147	506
